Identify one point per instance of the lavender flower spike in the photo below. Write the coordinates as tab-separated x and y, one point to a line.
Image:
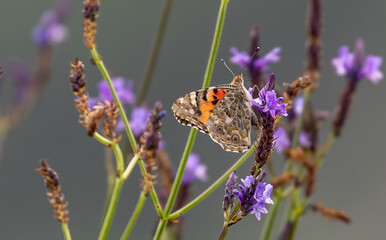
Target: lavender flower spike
229	195
253	195
50	30
355	67
242	58
138	121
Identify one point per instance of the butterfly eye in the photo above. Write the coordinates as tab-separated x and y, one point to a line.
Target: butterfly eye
235	138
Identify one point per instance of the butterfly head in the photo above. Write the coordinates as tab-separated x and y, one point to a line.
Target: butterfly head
238	81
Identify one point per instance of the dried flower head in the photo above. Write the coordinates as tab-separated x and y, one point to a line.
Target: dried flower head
110	113
314	48
78	84
56	198
90	14
293	89
331	213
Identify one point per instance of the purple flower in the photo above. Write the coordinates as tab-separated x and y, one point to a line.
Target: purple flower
355	66
139	116
268	103
194	170
282	140
50	30
262	195
253	195
229	195
123	88
305	139
298	105
260	64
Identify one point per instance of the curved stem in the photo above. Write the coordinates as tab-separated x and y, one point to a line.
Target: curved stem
122	113
193	132
212	187
66	231
180	172
130	167
270	220
133	219
115	194
155	51
106	76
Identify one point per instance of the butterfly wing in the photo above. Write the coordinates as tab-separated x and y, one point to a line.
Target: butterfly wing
229	123
194	108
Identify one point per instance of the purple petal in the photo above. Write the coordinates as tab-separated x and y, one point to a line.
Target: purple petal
239	58
282	140
371	69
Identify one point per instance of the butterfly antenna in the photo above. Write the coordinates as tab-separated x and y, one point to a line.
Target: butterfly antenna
222	60
254	53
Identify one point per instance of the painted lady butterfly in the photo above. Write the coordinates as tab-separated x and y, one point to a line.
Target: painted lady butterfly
223	112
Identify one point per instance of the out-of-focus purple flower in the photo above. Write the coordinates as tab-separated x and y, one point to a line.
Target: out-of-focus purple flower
298	105
49	30
261	64
305	139
123	88
355	66
229	195
194	170
253	195
139	116
282	140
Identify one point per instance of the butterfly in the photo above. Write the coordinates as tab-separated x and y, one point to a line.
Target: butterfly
223	112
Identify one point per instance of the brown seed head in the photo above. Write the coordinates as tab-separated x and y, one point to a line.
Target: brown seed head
90	14
331	213
78	84
292	89
55	197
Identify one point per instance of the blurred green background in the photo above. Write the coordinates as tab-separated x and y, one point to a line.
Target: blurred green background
352	178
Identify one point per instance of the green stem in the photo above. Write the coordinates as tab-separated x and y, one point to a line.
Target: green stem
155	51
115	194
215	43
160	229
270	220
134	216
193	132
106	76
180	172
130	167
66	231
223	232
122	113
212	187
268	223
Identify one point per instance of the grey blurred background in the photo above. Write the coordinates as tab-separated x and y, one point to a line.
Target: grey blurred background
352	178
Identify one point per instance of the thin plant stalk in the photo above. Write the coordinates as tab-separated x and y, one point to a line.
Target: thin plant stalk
155	51
223	232
122	113
193	131
134	216
66	231
115	194
270	221
219	182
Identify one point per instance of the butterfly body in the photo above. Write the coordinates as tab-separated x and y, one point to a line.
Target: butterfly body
223	112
